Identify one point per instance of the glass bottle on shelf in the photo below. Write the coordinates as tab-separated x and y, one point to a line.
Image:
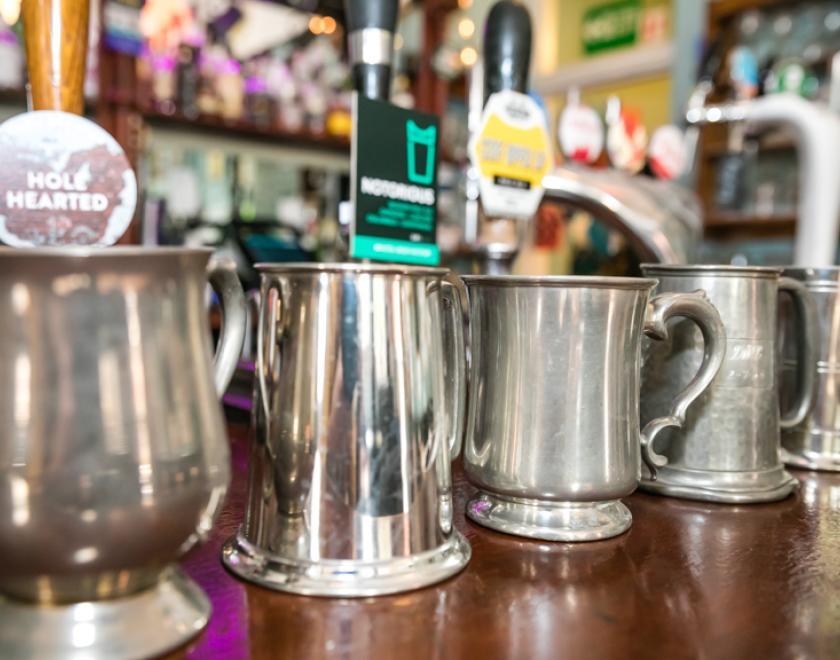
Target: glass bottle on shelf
231	90
258	102
189	79
163	82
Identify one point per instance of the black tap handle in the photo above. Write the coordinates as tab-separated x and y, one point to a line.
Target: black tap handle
371	14
370	33
507	48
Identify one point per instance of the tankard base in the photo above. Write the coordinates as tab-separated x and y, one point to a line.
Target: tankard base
724	487
146	624
346	578
550	520
811	461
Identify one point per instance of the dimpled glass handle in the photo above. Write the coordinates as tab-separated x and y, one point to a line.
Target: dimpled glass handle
696	307
454	293
225	282
807	327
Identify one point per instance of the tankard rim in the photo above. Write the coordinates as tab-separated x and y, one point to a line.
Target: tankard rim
561	281
722	270
103	252
806	273
306	268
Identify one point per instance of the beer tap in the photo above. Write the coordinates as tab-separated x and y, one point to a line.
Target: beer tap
370	28
496	241
370	41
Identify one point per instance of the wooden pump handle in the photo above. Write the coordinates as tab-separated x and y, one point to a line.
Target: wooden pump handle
56	37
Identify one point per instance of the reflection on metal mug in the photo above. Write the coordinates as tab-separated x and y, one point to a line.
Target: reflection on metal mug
728	449
359	409
113	451
814	443
553	437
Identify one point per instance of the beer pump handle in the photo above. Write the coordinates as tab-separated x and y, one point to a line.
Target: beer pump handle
370	41
56	38
507	48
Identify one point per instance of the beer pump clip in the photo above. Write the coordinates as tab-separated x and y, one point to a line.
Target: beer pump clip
64	179
393	169
511	149
580	131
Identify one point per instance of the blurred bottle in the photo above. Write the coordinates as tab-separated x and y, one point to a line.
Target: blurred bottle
245	192
164	87
259	108
231	90
188	73
11	59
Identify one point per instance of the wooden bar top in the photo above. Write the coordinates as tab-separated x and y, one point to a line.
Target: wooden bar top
688	580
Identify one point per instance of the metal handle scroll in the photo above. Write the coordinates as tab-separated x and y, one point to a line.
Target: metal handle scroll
225	282
807	326
696	307
455	293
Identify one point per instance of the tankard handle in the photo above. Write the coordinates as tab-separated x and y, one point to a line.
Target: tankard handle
222	276
696	307
807	327
455	357
268	319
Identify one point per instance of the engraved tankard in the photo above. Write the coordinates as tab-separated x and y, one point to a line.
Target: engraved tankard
359	407
728	449
815	442
553	438
113	451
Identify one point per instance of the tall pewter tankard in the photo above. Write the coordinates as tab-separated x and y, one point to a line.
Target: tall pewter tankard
358	410
728	449
113	451
815	442
553	437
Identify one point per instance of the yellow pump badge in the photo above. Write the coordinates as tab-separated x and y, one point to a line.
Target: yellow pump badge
512	154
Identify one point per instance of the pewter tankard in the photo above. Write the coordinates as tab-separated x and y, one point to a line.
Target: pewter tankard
728	450
113	451
553	438
359	407
815	443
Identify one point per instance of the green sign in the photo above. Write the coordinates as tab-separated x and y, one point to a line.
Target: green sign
393	183
612	25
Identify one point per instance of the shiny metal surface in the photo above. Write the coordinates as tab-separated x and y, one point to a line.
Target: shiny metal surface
816	130
691	580
553	437
142	625
370	45
359	409
815	443
661	220
113	456
728	450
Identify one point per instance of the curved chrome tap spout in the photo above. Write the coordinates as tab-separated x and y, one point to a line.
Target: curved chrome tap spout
817	133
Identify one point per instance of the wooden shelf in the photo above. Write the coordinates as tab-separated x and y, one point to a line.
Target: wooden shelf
736	225
718	149
724	9
218	125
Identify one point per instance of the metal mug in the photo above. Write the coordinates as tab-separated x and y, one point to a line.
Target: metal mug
815	442
113	451
728	450
358	411
553	437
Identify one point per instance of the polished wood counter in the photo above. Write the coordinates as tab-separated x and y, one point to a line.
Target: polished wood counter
689	580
